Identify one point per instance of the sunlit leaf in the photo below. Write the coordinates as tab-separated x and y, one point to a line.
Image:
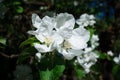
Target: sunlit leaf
46	75
20	9
3	41
27	42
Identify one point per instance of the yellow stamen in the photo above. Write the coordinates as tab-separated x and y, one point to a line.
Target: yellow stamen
67	45
48	40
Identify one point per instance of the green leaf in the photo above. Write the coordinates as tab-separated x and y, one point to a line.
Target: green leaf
115	69
16	3
109	57
27	42
3	41
19	9
53	74
57	71
91	31
92	10
45	75
102	55
80	73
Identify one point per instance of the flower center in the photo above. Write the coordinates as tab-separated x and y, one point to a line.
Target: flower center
67	45
48	40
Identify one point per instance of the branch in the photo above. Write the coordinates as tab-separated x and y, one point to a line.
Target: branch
11	56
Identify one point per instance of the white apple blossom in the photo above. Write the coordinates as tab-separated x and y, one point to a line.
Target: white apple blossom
86	20
73	46
86	60
45	33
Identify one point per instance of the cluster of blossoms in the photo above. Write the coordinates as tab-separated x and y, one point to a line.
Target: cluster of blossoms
59	33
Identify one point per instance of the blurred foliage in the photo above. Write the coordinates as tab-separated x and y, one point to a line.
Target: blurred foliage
15	21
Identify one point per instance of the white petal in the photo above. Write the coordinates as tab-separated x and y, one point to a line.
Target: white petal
91	17
87	70
88	49
76	52
80	61
116	60
40	37
67	55
65	32
87	65
65	20
36	21
32	32
85	34
84	16
77	42
49	23
42	48
92	22
57	38
110	53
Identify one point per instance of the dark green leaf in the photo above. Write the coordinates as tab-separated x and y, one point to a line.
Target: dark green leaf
80	73
102	55
115	69
26	54
16	3
57	71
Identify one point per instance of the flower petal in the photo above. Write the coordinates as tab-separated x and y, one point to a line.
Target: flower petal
67	55
36	21
85	34
42	48
65	20
77	42
40	37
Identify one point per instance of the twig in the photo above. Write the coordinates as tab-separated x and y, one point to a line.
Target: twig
7	56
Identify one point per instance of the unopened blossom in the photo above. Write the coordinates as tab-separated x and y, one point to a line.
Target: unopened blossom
94	41
38	56
110	53
86	20
117	59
